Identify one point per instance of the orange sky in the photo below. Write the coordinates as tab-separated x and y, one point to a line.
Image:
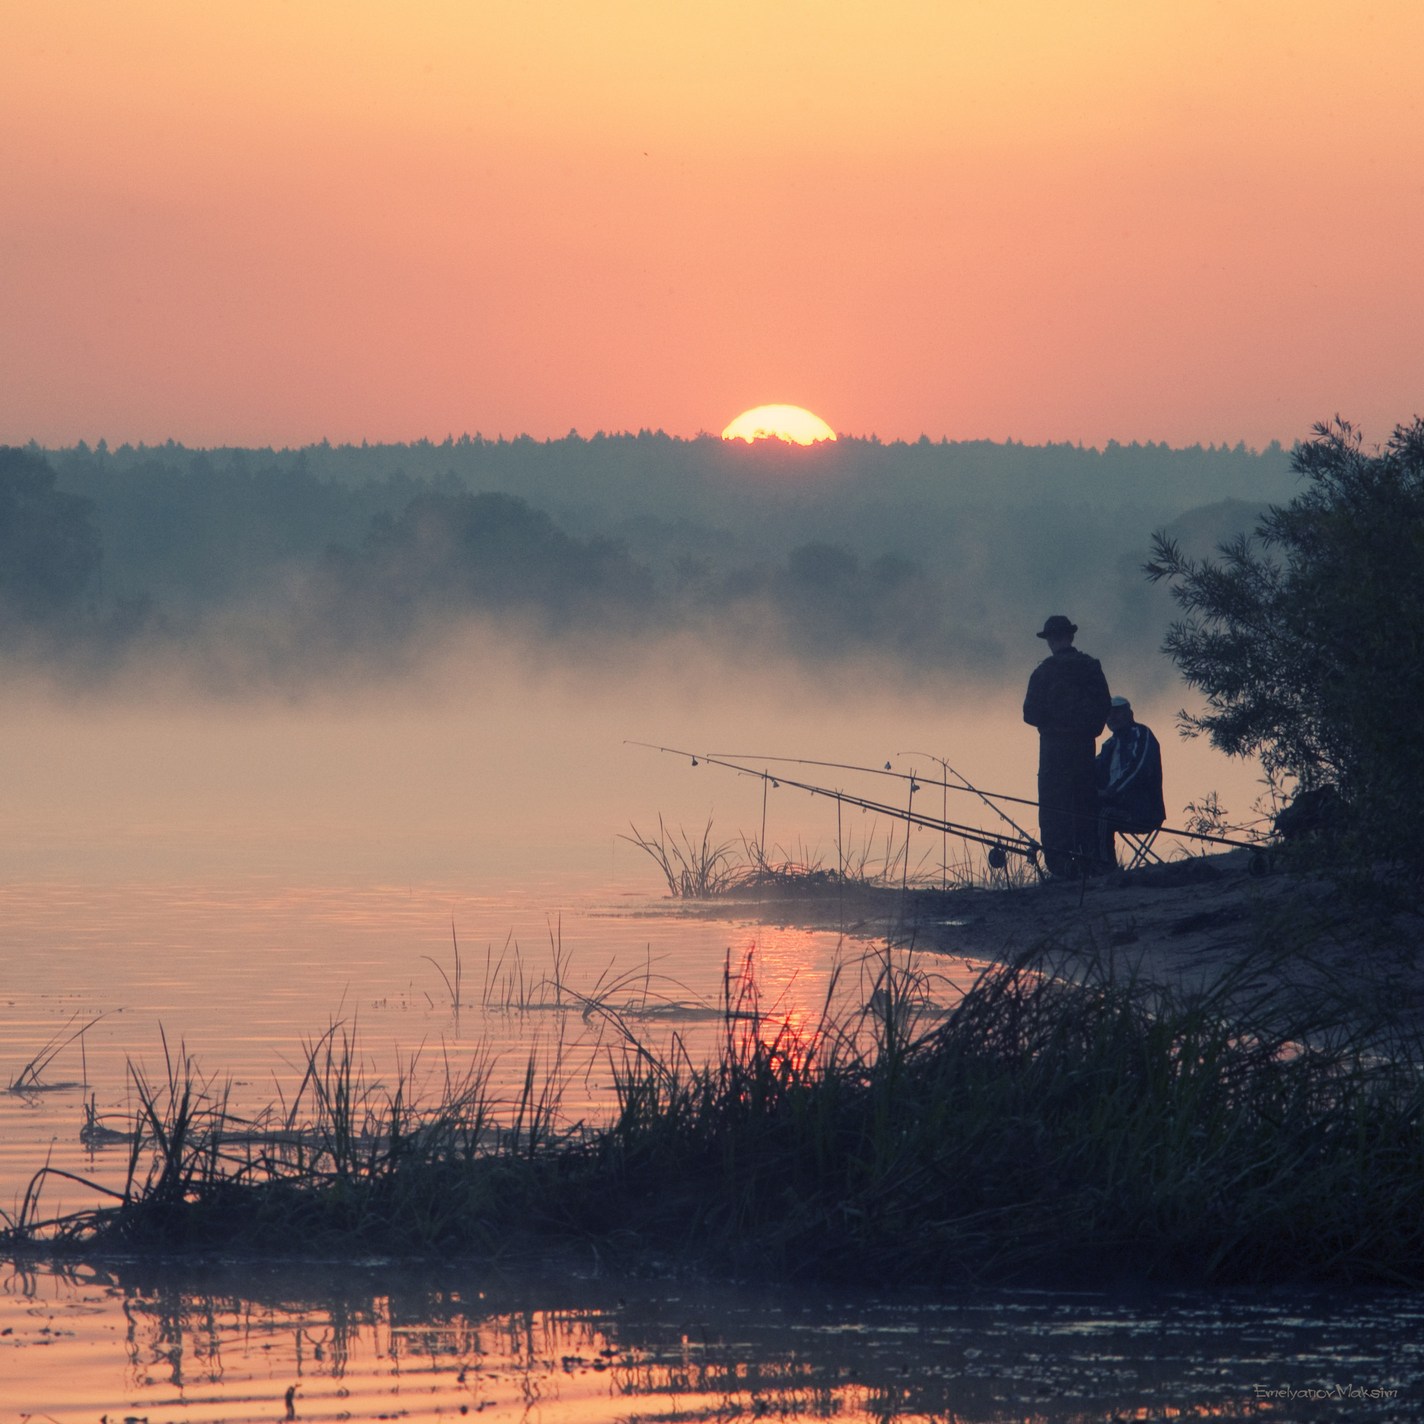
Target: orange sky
269	223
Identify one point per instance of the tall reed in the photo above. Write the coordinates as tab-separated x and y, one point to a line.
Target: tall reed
1067	1121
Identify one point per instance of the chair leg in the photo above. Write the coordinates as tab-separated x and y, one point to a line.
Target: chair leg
1142	852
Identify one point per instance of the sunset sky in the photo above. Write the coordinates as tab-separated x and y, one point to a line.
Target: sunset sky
272	223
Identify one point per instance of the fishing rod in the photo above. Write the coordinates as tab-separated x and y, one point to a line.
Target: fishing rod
985	796
1025	846
886	770
966	785
996	857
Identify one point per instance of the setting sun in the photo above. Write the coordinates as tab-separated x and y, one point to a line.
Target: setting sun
779	422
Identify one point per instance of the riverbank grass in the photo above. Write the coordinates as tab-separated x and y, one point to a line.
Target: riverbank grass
1067	1121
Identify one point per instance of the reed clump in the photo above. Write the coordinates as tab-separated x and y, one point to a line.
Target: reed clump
1065	1122
698	866
695	867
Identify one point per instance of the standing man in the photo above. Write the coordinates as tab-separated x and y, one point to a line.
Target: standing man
1068	702
1129	771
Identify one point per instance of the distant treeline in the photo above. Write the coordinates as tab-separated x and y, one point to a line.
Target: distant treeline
936	558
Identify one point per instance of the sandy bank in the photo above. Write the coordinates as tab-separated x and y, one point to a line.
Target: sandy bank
1182	922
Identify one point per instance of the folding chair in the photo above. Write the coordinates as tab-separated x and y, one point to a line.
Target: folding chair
1140	844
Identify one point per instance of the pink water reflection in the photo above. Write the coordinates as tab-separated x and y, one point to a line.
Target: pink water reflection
374	1340
241	977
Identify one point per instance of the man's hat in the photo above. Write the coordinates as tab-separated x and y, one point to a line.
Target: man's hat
1121	702
1058	626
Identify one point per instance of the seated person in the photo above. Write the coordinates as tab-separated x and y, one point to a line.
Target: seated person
1129	772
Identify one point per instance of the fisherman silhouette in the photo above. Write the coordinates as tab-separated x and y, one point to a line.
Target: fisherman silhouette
1129	776
1067	700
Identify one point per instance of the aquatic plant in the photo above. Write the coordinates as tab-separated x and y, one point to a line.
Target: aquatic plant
453	979
512	986
694	868
702	868
29	1078
1067	1120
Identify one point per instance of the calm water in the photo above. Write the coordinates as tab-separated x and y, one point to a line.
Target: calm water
225	884
108	980
377	1342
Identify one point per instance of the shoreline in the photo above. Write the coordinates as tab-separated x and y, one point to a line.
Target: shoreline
1185	1075
1182	923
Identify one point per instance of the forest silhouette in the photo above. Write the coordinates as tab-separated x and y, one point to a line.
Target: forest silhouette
933	560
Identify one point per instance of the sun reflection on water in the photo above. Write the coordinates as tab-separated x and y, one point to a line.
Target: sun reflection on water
425	979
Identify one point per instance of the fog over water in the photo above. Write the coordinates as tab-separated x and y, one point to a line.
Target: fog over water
236	873
288	728
297	570
301	753
353	658
494	765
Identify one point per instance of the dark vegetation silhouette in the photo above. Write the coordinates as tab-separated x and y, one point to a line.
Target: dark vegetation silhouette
49	547
1307	639
451	552
1066	1122
935	560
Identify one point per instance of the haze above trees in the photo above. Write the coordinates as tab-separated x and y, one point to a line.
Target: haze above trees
938	561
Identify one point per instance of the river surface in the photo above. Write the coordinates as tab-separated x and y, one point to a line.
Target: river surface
111	985
374	1341
448	885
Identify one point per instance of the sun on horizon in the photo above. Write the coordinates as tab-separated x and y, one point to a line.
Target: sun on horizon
792	424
